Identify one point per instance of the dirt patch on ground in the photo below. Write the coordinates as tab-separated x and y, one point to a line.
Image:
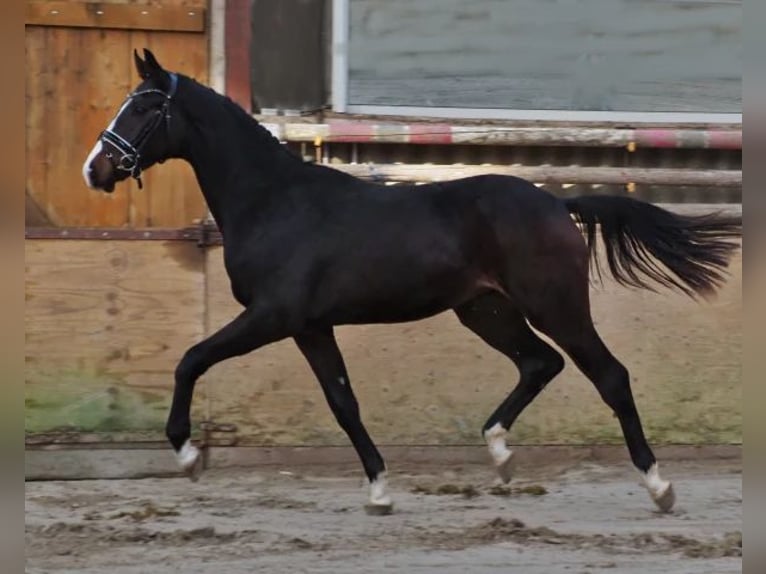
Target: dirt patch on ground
586	518
472	491
58	538
514	530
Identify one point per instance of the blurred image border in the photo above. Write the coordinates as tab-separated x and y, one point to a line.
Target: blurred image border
12	176
754	285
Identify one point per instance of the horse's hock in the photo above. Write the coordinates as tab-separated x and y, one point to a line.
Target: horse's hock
425	383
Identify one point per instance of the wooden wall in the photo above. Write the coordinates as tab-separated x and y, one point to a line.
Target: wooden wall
107	322
76	79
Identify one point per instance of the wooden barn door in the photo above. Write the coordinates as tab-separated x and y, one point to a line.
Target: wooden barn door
79	70
107	317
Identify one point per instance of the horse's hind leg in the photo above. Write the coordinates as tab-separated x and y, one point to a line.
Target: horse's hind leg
562	311
612	381
493	318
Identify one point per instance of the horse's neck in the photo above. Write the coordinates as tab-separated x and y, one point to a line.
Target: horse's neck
238	164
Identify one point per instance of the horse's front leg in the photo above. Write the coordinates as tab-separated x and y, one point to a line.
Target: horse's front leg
322	353
258	325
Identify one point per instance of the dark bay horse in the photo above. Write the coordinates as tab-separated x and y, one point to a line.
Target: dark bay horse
307	247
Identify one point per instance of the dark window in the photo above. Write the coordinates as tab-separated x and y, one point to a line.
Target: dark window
594	55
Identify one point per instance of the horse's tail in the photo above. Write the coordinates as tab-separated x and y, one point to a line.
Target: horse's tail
690	253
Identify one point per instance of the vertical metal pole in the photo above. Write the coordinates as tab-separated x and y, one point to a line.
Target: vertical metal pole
217	42
217	62
340	17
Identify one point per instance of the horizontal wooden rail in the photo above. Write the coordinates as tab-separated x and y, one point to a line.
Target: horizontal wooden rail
207	233
204	234
344	131
401	173
117	16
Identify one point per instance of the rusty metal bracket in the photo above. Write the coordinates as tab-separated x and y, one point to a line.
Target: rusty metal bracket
218	434
207	233
215	434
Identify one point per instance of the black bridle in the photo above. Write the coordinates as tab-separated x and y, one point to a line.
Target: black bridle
131	152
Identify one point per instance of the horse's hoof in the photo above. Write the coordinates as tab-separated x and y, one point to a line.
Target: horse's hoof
506	467
666	499
380	503
379	509
195	470
190	460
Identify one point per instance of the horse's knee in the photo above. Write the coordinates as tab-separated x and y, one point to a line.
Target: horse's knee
191	366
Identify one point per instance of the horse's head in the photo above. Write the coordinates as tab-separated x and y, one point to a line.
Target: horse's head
142	132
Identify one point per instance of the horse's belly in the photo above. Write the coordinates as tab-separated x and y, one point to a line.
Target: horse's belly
383	313
393	299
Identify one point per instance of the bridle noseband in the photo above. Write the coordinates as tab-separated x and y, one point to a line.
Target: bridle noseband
131	152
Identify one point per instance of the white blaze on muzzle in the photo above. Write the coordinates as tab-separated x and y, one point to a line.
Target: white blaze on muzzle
99	147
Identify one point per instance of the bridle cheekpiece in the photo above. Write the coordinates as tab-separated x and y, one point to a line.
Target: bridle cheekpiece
131	152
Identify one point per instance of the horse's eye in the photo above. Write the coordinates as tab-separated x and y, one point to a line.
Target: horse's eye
140	109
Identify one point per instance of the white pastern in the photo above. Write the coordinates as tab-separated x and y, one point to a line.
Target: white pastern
378	488
654	484
660	490
498	448
188	455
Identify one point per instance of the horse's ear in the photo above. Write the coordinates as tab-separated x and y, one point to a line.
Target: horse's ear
141	66
152	64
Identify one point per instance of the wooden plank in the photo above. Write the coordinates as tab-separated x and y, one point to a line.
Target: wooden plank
475	453
100	76
88	463
360	131
238	32
66	200
171	196
73	73
39	84
331	116
545	174
112	463
106	324
85	74
116	16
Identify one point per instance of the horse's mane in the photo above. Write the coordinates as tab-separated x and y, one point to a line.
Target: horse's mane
210	99
251	131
